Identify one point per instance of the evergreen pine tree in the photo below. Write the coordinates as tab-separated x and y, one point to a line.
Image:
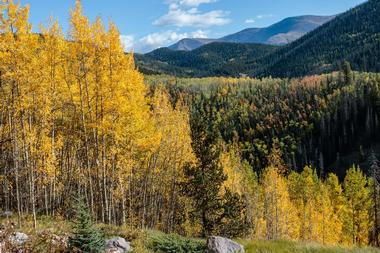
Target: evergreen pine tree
85	237
348	74
234	221
205	181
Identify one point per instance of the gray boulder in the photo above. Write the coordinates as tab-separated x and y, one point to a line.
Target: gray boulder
6	214
217	244
19	238
118	245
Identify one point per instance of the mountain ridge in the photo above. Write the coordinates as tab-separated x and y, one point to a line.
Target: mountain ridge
219	57
280	33
352	36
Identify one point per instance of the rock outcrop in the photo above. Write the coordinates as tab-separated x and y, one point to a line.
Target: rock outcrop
19	238
118	245
217	244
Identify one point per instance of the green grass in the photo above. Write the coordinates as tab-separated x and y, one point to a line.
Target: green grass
172	243
293	247
151	241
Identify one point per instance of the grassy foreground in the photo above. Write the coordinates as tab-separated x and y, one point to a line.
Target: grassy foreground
293	247
157	242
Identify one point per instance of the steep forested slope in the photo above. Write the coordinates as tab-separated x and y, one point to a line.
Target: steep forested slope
352	36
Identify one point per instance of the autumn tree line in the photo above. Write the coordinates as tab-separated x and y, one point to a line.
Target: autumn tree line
78	121
75	122
318	120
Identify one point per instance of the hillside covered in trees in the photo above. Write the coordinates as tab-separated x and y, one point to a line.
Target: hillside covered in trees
315	120
248	158
218	58
353	36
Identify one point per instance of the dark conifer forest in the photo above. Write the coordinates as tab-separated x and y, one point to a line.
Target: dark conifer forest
316	120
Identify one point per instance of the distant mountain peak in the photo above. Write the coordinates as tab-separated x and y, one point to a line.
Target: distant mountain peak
281	33
189	44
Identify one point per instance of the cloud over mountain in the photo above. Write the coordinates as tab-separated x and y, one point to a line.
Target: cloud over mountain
159	39
185	13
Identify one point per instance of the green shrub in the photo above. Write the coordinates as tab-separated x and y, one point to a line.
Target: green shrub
175	244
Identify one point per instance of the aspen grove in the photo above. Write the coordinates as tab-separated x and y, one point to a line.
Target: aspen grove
77	120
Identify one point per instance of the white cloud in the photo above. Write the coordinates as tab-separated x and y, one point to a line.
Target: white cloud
160	39
157	40
181	13
193	18
190	2
261	16
128	41
200	34
185	13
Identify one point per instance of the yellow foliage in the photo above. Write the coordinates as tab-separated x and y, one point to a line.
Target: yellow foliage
279	213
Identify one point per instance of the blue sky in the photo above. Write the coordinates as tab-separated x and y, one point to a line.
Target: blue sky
149	24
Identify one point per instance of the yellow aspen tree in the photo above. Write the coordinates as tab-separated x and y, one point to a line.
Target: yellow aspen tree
303	191
242	180
329	222
132	121
173	152
255	204
357	223
232	168
279	213
25	110
80	56
51	60
101	132
337	200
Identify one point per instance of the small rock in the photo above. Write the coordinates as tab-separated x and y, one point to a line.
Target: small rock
59	240
118	245
6	214
217	244
18	238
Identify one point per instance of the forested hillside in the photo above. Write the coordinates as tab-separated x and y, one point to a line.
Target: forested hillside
247	158
218	58
315	119
353	36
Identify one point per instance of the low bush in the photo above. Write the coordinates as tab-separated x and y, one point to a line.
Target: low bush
172	243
